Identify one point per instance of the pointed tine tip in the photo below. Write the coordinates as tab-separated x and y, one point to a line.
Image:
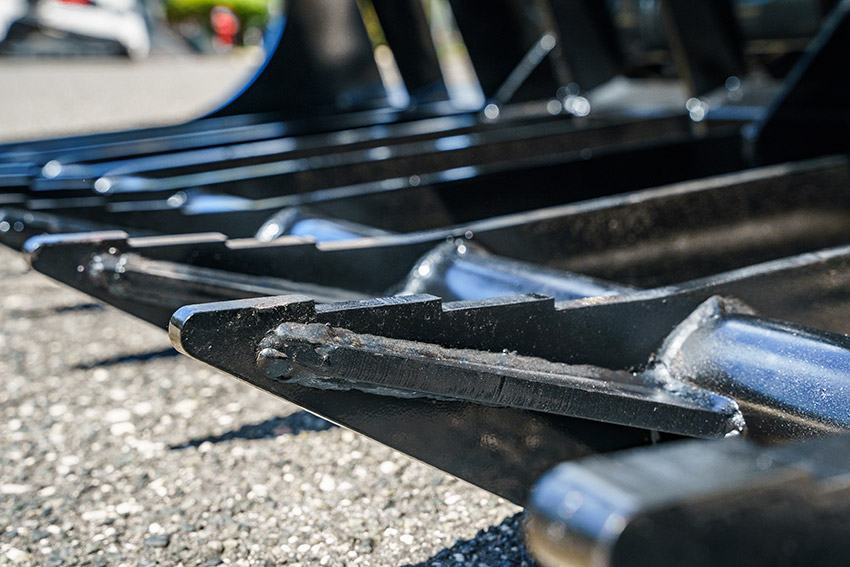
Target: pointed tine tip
43	240
213	316
177	324
199	238
35	244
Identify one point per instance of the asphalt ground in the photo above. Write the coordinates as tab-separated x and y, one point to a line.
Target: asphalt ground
45	97
114	450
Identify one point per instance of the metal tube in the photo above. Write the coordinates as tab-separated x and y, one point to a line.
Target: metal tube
462	270
790	381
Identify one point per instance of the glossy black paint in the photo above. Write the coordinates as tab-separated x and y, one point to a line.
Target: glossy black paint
698	504
393	337
462	270
459	188
705	41
334	68
498	34
588	41
407	30
638	238
448	140
500	449
811	114
501	389
789	381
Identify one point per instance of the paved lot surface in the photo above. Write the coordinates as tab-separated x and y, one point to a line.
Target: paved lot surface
42	97
116	451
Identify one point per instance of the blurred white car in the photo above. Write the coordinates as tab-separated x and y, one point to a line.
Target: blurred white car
122	21
10	12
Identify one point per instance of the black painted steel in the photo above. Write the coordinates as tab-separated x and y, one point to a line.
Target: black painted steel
306	223
590	171
588	41
334	169
334	69
670	340
19	225
463	270
500	449
789	381
14	175
498	34
684	300
323	353
625	332
407	31
705	41
811	114
159	137
453	139
696	503
654	237
65	176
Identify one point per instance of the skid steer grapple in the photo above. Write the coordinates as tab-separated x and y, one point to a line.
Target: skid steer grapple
615	288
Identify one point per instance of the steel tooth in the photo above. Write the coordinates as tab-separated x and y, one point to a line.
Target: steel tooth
106	266
689	378
412	315
19	225
167	285
71	259
490	324
500	449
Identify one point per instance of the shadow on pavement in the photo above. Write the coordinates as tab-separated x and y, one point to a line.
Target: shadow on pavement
78	307
292	424
129	359
39	312
496	546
